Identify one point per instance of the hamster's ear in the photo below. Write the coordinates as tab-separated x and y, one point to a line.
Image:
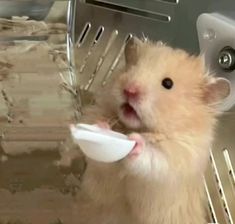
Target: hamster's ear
217	89
132	51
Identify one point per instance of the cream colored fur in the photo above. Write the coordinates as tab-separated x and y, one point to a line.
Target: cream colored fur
164	184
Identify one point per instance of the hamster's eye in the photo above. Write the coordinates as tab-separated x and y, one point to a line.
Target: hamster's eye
167	83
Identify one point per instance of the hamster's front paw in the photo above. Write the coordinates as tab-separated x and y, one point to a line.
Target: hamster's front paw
103	124
140	142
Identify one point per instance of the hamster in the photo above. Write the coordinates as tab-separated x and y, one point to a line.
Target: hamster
168	102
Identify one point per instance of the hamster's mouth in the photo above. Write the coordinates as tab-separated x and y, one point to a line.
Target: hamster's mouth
129	116
128	110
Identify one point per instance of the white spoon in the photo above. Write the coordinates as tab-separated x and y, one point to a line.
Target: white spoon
99	144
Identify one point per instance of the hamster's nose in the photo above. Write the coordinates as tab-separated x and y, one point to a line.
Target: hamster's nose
131	92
